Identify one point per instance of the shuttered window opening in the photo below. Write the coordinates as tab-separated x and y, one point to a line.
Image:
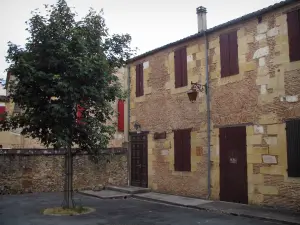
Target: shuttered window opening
182	150
293	21
293	147
229	54
120	115
180	59
139	80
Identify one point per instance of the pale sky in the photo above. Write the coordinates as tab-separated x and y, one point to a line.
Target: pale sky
150	23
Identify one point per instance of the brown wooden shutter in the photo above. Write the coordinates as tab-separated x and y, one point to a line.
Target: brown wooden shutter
141	79
224	50
186	156
293	20
177	59
293	147
184	78
137	82
233	52
177	151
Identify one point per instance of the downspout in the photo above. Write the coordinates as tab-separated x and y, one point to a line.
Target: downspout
208	118
128	128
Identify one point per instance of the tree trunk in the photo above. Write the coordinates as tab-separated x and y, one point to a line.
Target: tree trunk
68	187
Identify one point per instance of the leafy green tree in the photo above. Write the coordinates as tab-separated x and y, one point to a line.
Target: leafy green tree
66	63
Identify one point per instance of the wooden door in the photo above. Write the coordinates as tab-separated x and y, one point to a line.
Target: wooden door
233	165
139	160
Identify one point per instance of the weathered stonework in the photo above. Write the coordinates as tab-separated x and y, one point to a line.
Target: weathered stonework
45	173
261	97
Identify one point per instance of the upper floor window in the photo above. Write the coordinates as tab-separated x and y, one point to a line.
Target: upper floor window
139	71
293	20
229	54
180	68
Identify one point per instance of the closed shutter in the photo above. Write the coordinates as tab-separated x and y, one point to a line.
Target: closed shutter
186	156
178	68
137	82
184	78
293	147
178	151
79	113
141	79
224	50
293	20
2	110
120	115
234	59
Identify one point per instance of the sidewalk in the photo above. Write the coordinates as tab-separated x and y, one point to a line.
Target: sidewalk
249	211
224	207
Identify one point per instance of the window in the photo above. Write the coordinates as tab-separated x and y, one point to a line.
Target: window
182	150
120	115
180	59
293	20
229	54
2	110
293	147
139	70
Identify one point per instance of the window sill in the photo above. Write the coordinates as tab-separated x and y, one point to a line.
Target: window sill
230	79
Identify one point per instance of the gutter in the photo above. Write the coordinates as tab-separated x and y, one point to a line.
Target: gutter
208	118
128	128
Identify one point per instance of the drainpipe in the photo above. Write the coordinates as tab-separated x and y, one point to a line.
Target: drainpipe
128	128
208	118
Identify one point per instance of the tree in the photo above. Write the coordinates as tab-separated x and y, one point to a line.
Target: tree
65	64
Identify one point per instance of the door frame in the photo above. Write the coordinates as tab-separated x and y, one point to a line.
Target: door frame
129	159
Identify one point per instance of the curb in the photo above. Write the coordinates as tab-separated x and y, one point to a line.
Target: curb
95	196
216	211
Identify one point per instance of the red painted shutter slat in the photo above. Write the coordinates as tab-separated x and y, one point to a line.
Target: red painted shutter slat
186	136
184	78
141	79
224	51
234	59
2	111
294	35
120	115
177	61
177	151
137	82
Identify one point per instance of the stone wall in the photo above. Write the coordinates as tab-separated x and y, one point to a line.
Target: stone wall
262	96
40	171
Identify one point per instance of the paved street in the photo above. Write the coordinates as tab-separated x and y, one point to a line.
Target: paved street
26	210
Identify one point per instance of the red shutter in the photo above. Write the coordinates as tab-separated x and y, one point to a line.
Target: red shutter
178	151
293	20
224	48
79	112
234	58
2	111
141	79
186	156
184	78
137	81
177	59
120	115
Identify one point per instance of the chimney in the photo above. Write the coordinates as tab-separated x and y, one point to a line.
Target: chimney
201	14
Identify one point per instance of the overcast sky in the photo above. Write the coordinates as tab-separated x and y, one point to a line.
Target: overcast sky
150	23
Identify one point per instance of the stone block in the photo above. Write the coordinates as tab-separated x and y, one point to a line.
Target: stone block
262	28
254	139
260	37
255	199
254	158
267	190
167	144
132	105
261	52
292	66
262	71
269	118
249	66
271	140
262	80
272	170
273	129
215	43
192	49
273	32
255	179
146	65
257	150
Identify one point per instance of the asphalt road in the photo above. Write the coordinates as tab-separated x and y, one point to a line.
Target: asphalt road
26	210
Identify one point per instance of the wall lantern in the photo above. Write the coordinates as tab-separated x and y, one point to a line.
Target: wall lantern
193	92
137	127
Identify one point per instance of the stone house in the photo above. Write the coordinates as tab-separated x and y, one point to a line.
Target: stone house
13	139
244	146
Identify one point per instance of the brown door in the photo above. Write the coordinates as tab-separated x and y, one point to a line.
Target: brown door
233	165
139	160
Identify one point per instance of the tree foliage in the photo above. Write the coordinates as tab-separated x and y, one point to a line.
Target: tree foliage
74	61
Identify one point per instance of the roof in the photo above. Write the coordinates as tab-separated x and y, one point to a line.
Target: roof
216	28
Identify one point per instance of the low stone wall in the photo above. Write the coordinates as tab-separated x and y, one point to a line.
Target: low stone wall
37	170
